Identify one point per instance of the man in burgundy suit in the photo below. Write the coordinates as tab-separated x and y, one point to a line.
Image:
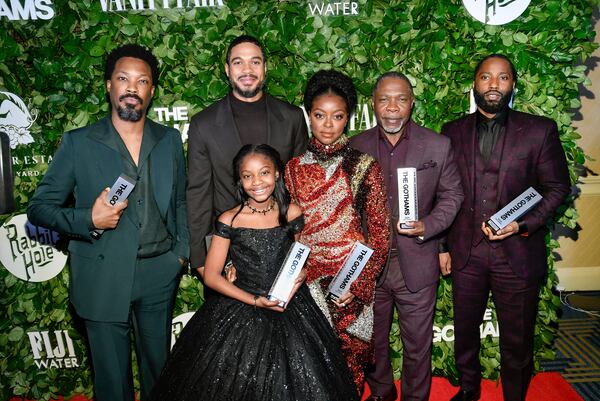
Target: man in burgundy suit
409	280
500	153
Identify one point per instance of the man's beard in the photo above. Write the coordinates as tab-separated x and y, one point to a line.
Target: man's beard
248	93
492	107
391	130
129	112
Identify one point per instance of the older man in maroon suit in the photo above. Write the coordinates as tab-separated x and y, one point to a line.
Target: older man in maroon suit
501	153
409	281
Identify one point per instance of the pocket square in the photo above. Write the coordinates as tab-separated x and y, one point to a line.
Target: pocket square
426	165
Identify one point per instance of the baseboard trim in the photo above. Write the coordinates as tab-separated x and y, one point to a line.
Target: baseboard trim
585	278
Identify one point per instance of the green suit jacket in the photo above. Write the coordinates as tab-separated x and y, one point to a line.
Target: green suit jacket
102	271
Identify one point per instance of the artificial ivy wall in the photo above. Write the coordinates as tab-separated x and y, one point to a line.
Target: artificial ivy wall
56	66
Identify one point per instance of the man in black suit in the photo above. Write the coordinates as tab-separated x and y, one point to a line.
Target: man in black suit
246	115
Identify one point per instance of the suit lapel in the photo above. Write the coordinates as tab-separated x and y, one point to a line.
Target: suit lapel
108	158
161	165
416	147
468	148
512	134
227	136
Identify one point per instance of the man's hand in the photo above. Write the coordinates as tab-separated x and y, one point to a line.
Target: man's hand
507	231
104	215
418	229
445	263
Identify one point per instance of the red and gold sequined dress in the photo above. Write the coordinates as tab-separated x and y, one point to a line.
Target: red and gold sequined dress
341	190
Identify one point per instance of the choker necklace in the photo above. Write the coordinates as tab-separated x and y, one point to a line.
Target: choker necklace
264	211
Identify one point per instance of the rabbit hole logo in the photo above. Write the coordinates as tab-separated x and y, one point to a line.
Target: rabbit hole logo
28	251
16	118
496	12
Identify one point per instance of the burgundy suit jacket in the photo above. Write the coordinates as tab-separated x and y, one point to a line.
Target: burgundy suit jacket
439	194
532	156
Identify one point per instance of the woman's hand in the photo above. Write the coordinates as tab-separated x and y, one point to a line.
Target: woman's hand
344	300
264	303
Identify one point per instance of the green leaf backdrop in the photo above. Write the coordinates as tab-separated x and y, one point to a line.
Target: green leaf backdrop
58	66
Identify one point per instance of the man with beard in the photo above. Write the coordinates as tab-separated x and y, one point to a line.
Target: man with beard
126	258
410	277
501	152
247	115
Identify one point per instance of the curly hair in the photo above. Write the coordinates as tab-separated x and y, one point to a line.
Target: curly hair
135	51
330	81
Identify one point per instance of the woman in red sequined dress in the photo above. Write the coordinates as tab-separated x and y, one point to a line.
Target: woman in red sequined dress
340	191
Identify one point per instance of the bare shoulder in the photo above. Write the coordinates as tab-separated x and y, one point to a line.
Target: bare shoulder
293	211
228	215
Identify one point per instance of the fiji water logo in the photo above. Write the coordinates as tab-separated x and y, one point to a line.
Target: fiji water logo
16	118
496	12
28	251
53	349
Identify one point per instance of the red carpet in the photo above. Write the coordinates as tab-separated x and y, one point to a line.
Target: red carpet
544	387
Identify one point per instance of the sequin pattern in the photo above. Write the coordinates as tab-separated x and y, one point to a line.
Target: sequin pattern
339	188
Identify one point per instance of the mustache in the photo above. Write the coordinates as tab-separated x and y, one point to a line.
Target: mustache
493	92
247	76
132	96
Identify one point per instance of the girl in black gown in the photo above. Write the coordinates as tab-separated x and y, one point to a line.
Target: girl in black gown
240	345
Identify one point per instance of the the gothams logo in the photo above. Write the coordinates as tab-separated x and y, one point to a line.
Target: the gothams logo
496	12
16	119
52	349
28	251
178	324
26	9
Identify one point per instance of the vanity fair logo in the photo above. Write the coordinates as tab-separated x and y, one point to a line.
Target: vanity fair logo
26	9
178	324
362	119
16	118
333	8
496	12
28	251
140	5
53	349
489	328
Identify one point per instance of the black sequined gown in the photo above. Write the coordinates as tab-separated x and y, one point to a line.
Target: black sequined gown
231	351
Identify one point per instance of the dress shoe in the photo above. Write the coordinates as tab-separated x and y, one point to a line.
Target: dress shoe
393	396
466	395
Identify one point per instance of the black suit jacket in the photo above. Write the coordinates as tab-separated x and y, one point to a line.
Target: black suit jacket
213	141
533	157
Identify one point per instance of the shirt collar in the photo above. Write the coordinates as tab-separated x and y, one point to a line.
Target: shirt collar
405	134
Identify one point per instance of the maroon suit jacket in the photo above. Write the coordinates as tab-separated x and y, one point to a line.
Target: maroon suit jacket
439	196
532	156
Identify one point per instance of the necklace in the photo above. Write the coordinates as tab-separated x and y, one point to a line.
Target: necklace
264	211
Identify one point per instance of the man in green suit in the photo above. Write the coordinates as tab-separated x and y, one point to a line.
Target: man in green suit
125	279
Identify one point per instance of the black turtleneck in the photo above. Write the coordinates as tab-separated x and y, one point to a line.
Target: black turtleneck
250	119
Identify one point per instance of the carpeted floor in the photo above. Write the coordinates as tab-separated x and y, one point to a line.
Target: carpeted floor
578	344
544	387
573	376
